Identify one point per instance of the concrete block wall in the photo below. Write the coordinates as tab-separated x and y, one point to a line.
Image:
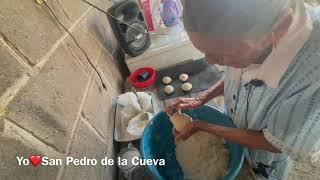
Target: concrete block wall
51	101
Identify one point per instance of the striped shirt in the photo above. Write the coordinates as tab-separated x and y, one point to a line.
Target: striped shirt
286	108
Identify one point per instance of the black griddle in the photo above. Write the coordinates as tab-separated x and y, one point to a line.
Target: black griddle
201	75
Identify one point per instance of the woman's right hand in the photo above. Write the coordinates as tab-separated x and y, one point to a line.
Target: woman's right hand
185	103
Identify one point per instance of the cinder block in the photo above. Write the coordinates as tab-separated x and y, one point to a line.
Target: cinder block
48	105
30	28
90	46
11	70
111	70
87	144
98	107
10	169
76	8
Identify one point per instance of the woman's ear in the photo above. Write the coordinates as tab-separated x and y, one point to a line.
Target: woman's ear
281	27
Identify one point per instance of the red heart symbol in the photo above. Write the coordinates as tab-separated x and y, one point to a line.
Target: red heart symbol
35	160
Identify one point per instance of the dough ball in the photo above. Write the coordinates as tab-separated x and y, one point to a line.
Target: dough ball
166	80
168	89
186	87
183	77
180	120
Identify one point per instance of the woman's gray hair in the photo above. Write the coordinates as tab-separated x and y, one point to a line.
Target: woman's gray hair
248	19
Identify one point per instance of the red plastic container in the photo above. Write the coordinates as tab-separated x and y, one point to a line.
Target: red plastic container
134	81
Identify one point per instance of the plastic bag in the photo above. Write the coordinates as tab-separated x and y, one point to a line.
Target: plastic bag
170	13
161	14
130	104
133	114
145	101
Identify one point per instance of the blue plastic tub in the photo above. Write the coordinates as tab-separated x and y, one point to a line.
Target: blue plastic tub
158	143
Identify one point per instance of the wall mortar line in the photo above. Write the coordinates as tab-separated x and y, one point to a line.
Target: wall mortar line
15	49
12	91
63	9
16	56
84	119
81	65
92	128
14	130
47	56
74	128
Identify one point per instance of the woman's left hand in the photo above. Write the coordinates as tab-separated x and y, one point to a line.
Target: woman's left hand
188	131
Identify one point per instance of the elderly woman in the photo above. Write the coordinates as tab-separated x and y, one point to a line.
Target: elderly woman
271	50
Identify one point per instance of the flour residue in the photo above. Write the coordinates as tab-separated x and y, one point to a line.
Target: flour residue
203	156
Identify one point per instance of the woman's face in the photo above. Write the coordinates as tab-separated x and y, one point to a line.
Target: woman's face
235	53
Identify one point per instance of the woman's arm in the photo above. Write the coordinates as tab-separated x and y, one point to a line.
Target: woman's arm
216	90
248	138
191	103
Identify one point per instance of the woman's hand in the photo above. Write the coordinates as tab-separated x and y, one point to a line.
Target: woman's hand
185	103
191	103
